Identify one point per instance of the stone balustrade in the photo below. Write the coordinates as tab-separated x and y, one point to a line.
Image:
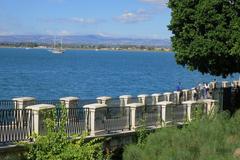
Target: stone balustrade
104	100
124	100
96	114
39	113
96	118
23	102
70	102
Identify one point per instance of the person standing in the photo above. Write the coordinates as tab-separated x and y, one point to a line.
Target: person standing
206	90
179	89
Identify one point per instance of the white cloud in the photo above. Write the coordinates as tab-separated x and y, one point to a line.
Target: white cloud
59	33
140	15
75	20
82	20
4	33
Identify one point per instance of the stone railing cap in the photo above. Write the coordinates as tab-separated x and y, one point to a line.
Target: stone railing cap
189	102
69	98
156	94
125	96
39	107
95	106
224	81
135	105
164	103
166	93
23	99
142	95
176	92
104	98
185	90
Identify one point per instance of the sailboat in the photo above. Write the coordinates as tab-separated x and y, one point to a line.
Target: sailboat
57	50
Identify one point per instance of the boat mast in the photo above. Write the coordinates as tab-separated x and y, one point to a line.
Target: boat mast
61	44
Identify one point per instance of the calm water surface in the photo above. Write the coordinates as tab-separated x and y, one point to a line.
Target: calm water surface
88	74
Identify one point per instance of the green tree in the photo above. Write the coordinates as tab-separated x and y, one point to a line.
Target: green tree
206	35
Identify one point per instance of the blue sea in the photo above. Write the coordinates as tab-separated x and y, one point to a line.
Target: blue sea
89	74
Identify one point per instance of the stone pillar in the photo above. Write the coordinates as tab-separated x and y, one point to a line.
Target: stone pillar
185	94
70	102
167	96
213	84
189	106
143	98
225	84
155	98
124	100
39	113
163	106
23	102
133	118
177	95
97	116
104	100
236	84
210	105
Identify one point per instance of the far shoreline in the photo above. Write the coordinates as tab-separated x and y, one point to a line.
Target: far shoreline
93	49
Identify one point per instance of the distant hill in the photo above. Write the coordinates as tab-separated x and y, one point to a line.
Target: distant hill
86	39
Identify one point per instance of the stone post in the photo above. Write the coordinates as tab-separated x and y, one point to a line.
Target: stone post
213	84
143	98
23	102
185	94
210	105
133	115
236	84
155	98
189	106
225	84
70	102
97	116
167	96
192	94
39	113
177	95
104	100
163	106
124	100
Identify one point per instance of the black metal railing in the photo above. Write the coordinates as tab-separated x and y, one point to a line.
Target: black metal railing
15	125
76	120
7	104
52	102
117	119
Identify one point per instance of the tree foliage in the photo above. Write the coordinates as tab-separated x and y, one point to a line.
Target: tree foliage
206	35
215	137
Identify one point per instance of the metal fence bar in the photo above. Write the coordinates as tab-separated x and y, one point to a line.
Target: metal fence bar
7	104
52	102
15	125
117	119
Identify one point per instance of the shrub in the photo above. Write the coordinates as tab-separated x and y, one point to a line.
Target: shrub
208	138
56	145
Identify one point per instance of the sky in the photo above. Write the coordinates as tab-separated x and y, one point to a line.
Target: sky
120	18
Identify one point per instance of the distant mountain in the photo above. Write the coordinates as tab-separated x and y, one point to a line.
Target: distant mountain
86	39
